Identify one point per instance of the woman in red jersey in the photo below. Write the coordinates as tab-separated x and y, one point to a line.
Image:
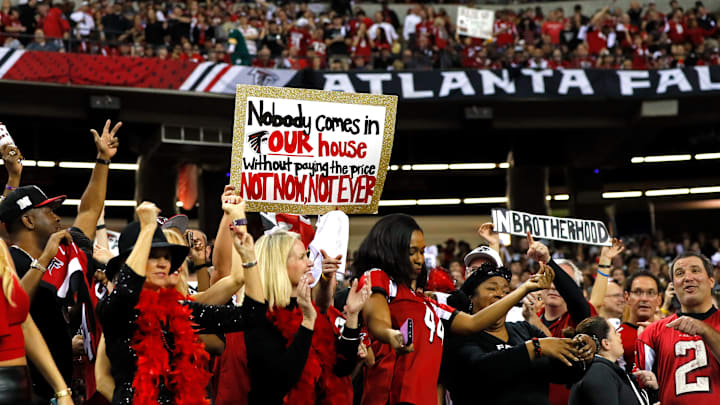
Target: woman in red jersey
393	254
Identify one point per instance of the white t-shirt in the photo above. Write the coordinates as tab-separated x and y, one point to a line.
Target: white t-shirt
251	43
84	23
411	21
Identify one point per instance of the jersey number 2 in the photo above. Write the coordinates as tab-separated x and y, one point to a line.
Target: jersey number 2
430	323
701	384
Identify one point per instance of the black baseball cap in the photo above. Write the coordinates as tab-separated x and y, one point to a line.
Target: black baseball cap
25	198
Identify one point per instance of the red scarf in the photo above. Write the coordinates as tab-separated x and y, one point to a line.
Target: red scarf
318	383
185	374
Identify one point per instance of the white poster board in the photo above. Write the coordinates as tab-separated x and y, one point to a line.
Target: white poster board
309	151
572	230
475	23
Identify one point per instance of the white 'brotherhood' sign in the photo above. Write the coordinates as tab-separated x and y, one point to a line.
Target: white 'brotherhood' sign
475	23
544	227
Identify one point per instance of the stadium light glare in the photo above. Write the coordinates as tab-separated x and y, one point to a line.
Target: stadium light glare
667	191
622	194
485	200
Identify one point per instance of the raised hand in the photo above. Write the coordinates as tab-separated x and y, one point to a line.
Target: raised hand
106	143
356	299
537	251
541	280
244	243
559	348
611	251
530	306
12	158
486	232
305	303
102	254
233	205
147	214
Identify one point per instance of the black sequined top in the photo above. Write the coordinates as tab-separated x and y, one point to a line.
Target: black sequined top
117	315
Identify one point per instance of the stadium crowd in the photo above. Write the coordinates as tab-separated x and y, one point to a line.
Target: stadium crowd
291	35
172	316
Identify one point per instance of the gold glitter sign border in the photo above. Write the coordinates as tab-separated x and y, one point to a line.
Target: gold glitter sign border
245	91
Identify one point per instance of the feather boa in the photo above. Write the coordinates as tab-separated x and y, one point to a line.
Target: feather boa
318	383
184	372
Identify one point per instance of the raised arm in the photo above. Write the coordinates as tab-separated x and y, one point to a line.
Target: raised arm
603	274
223	253
93	199
147	214
465	324
324	290
376	314
12	158
493	238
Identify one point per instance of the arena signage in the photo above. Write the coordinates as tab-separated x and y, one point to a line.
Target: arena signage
544	227
309	151
521	83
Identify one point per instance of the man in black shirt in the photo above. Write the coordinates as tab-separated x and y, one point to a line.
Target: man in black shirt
35	234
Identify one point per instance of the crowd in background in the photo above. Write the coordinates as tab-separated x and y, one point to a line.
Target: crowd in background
293	36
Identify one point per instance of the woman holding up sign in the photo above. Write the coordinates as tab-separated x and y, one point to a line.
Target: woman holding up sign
400	315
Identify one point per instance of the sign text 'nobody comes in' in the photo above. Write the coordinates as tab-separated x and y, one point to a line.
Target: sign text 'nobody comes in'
308	151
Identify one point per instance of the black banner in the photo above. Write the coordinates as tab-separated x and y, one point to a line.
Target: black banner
519	83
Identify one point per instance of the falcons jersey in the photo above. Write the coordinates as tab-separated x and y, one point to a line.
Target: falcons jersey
686	369
628	334
415	374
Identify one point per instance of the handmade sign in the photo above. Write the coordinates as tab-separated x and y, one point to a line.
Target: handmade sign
307	151
544	227
475	23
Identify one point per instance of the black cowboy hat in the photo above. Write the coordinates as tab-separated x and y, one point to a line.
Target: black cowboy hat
129	236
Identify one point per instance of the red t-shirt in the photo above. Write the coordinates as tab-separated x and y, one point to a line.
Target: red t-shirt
12	341
597	41
415	374
687	371
55	24
676	32
505	32
319	47
628	334
553	29
362	49
558	393
300	39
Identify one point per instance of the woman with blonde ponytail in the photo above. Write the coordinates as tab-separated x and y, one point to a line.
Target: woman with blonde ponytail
20	337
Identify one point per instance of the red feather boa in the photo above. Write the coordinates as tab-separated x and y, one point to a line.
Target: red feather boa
318	383
185	375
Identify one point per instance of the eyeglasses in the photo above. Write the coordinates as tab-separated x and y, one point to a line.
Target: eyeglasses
640	293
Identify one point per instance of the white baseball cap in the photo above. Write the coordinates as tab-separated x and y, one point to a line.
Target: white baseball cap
483	252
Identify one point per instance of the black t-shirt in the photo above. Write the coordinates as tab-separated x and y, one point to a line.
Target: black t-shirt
273	42
339	47
47	312
500	372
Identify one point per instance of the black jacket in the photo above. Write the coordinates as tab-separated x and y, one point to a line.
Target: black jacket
605	383
482	368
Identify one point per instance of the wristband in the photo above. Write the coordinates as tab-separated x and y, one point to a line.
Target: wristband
250	264
64	393
538	349
11	188
36	265
99	227
102	161
603	274
240	222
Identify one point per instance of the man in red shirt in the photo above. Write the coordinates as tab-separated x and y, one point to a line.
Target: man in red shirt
505	30
684	349
642	295
54	23
553	26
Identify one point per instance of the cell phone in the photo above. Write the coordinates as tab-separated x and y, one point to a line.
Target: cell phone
407	332
191	241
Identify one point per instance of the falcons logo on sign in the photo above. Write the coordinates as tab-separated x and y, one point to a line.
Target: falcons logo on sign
256	140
